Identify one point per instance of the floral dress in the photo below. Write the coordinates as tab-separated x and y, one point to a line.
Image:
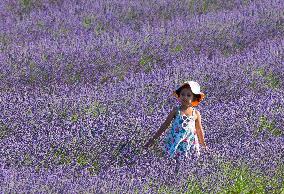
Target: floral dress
181	140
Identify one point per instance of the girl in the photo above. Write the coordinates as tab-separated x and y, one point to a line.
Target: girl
186	132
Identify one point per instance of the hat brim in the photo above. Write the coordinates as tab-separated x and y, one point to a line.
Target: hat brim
196	102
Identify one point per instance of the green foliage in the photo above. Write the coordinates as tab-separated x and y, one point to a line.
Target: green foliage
4	41
253	84
165	190
242	180
276	132
136	191
177	48
72	75
44	57
166	13
172	39
100	28
74	78
27	161
119	71
95	109
146	61
260	71
174	43
61	157
201	6
40	24
117	155
147	38
131	14
4	130
74	117
33	73
264	123
59	33
26	4
206	6
25	7
69	68
63	113
151	183
207	78
193	186
104	79
115	152
197	49
63	31
92	171
87	22
226	167
82	159
96	165
272	81
2	76
56	2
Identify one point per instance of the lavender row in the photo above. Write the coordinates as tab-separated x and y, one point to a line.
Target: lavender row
74	128
34	54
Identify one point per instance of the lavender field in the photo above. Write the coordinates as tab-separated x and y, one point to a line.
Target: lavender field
84	84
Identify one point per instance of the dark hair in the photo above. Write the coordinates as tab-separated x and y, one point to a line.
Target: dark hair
195	96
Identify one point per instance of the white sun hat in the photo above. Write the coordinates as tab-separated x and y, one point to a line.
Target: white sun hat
195	88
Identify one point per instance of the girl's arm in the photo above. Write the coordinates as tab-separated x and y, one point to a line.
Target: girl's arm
163	127
199	129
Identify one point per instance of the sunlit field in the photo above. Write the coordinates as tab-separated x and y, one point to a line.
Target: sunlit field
85	84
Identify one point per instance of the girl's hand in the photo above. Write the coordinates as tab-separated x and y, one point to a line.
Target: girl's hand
204	146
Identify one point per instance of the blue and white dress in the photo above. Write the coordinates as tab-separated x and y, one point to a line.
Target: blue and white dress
181	140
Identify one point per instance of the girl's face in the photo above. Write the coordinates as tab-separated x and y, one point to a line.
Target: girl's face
186	96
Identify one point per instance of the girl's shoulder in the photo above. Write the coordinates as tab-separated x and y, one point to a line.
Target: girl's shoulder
197	113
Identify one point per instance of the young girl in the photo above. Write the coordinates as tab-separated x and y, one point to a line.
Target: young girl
186	132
